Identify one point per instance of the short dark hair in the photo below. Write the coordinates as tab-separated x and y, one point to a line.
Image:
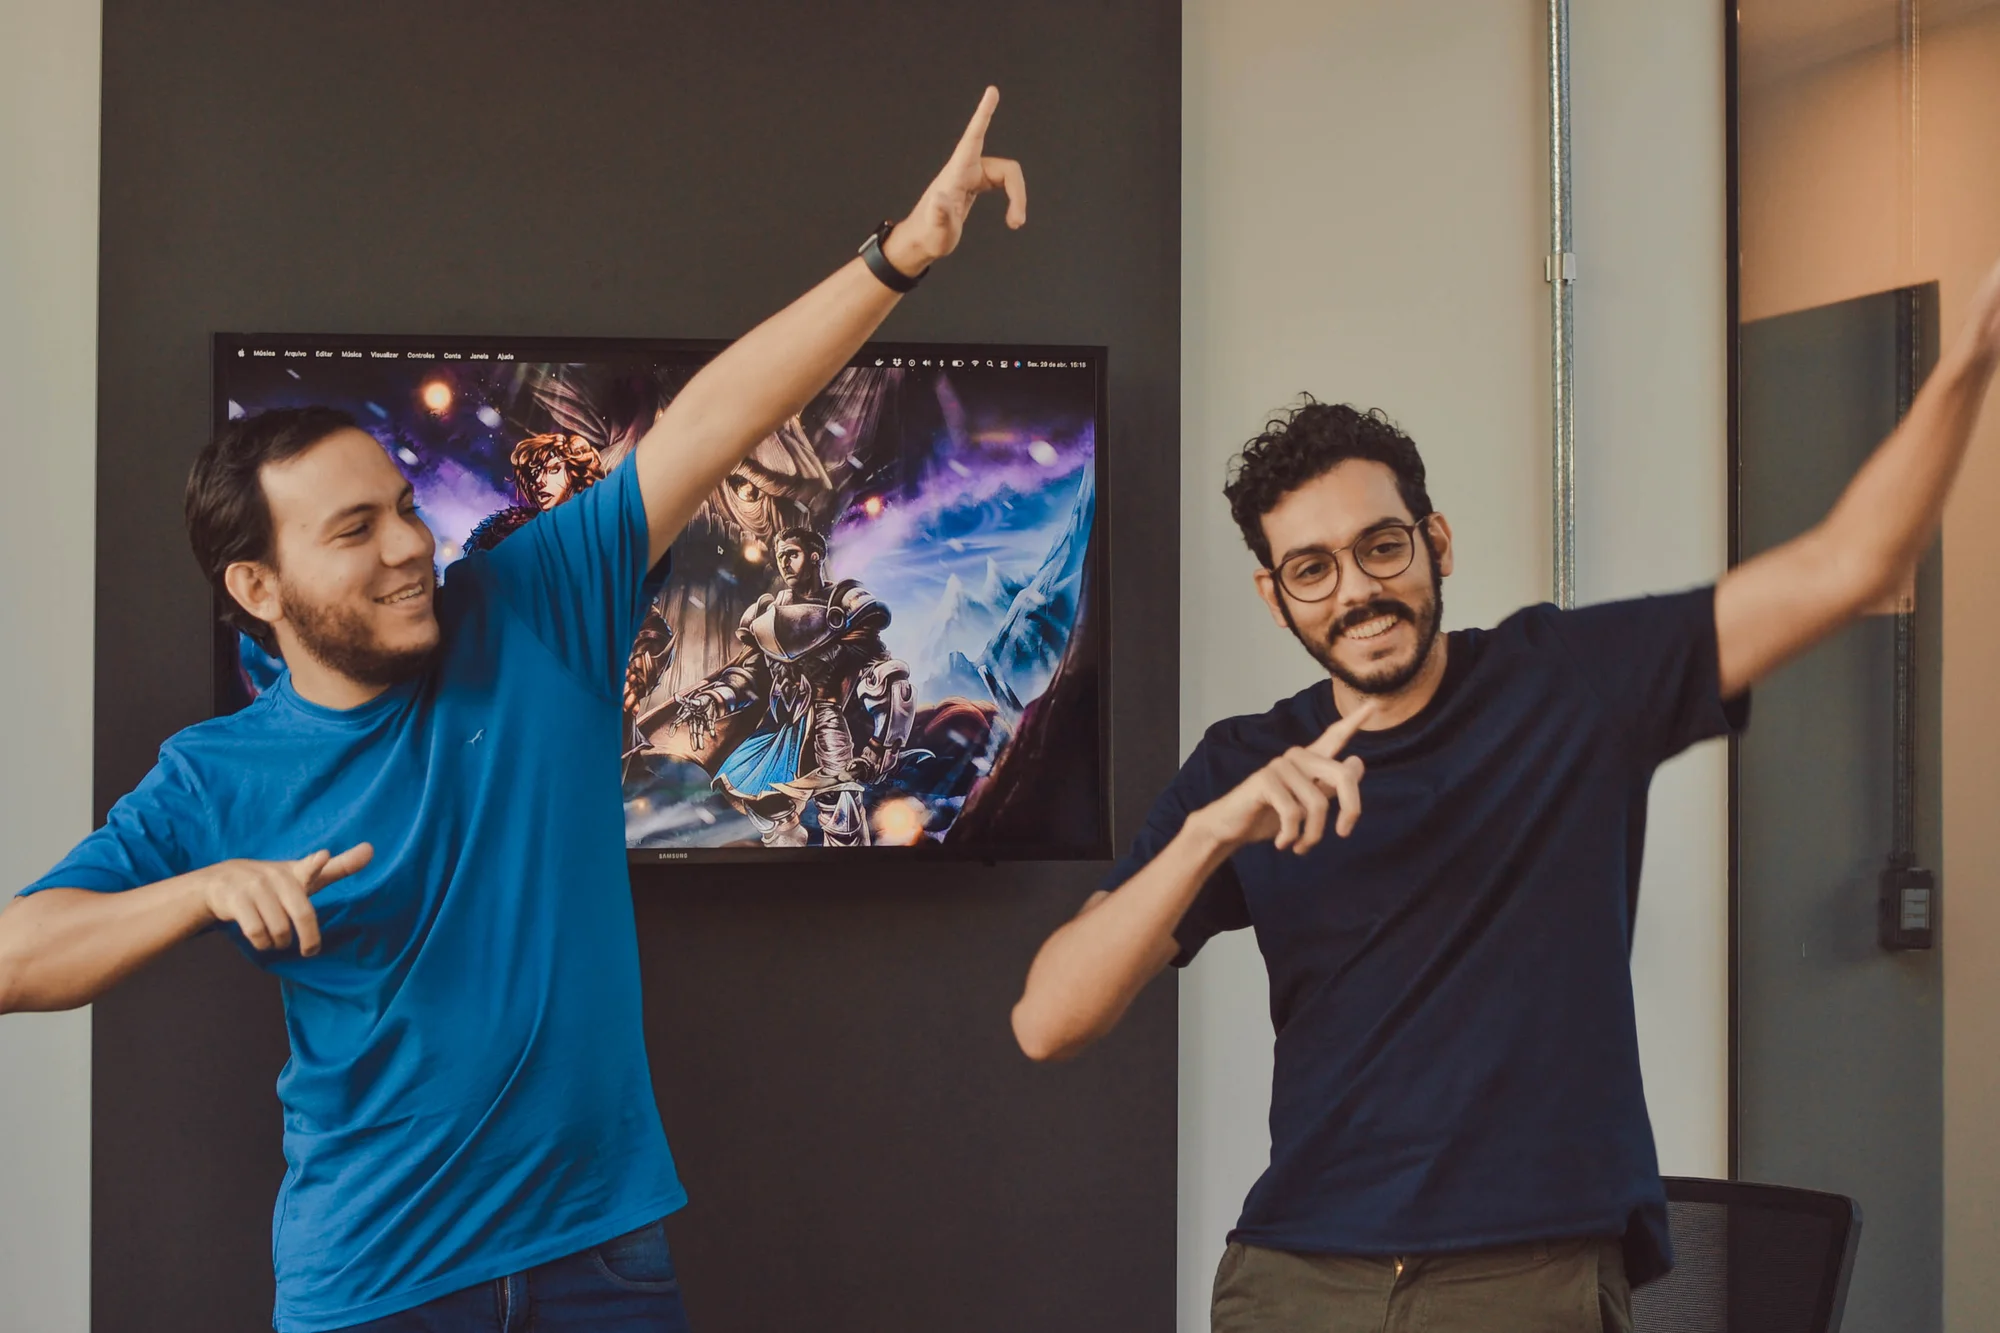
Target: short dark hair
228	514
1306	443
806	537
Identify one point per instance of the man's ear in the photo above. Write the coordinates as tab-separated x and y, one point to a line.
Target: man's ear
1267	588
1437	531
254	585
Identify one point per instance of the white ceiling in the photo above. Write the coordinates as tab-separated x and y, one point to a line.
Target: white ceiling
1776	38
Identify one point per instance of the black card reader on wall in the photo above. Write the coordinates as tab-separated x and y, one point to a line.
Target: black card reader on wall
1907	911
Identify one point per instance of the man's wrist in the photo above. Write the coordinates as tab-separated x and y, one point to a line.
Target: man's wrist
194	888
1966	366
904	254
1204	841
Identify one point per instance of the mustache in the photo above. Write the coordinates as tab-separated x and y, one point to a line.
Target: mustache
1373	609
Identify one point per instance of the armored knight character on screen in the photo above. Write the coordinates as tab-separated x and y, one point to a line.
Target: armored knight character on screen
800	475
812	710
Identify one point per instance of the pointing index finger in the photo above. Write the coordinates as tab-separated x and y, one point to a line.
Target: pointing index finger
340	867
973	142
1335	738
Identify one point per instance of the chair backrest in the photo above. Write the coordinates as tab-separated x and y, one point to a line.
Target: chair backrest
1751	1259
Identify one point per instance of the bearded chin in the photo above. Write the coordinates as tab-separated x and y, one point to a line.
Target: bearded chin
1389	680
339	639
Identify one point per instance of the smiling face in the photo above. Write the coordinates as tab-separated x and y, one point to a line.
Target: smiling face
350	581
1373	633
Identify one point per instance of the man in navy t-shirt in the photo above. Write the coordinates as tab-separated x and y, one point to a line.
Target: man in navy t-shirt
1459	1137
418	830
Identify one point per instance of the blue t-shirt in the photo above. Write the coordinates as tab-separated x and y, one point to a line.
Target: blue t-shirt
468	1093
1457	1063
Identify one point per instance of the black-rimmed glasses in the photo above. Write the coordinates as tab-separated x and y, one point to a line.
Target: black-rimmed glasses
1380	553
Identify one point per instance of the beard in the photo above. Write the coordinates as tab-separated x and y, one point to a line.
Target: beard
1425	618
339	638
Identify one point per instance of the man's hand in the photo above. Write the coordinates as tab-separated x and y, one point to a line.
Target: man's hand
932	229
270	901
1086	974
700	714
772	372
1777	604
1286	802
66	947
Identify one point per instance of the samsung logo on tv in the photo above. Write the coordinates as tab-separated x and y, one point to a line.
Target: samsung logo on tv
671	856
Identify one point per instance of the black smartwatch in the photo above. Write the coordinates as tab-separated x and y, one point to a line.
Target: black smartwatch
878	263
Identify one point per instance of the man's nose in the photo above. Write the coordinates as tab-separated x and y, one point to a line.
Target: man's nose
410	540
1357	586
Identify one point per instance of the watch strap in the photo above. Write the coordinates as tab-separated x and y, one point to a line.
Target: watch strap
878	263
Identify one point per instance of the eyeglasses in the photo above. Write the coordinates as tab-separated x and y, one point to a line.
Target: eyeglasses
1380	553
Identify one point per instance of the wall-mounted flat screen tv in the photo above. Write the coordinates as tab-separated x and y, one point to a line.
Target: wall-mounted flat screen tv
933	682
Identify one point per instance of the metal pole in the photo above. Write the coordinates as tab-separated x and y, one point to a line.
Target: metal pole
1560	271
1903	830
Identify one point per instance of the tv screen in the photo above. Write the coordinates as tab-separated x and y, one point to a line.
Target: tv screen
883	631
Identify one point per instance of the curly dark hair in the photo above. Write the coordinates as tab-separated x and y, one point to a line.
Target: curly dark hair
1306	443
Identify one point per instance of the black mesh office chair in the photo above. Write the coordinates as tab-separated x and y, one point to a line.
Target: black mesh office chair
1751	1259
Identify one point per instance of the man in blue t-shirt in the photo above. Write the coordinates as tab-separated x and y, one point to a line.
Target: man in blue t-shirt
418	830
1459	1137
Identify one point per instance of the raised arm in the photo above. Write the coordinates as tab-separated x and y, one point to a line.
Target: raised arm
773	371
1773	607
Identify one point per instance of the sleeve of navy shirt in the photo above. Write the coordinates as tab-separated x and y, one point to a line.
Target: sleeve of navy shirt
577	576
1219	906
153	833
1654	666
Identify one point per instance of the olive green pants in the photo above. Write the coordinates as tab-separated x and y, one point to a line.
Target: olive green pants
1561	1286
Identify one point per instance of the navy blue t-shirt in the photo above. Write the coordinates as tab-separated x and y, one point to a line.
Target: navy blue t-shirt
468	1093
1457	1062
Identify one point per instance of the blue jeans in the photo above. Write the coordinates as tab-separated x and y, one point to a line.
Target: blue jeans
625	1285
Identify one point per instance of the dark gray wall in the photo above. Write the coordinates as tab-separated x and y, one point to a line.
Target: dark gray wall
1840	1043
864	1147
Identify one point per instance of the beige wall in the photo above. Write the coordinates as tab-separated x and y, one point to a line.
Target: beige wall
1830	212
1646	95
1364	215
48	381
